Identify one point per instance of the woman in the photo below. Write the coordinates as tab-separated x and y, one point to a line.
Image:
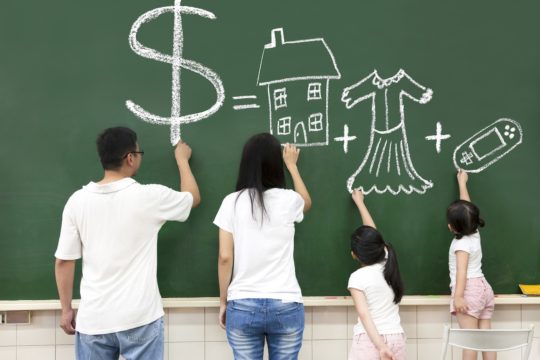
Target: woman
259	294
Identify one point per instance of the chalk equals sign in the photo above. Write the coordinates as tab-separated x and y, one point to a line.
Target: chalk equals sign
245	99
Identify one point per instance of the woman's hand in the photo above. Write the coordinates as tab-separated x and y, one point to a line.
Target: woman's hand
290	155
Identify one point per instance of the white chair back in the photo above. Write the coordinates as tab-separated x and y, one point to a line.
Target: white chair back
489	339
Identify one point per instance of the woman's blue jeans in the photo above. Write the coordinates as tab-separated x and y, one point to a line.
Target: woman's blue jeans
251	321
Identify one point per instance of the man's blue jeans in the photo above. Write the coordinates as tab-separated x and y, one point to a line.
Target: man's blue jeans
141	343
251	321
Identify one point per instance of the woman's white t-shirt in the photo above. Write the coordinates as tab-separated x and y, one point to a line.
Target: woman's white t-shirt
263	250
470	244
380	298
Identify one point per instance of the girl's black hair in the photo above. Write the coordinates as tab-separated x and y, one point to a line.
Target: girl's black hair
464	218
368	246
261	168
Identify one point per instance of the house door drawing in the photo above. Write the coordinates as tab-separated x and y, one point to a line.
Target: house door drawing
300	133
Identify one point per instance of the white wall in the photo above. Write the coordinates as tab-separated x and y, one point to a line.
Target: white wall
193	333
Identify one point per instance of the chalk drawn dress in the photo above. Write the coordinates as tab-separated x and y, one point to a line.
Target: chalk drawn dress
387	165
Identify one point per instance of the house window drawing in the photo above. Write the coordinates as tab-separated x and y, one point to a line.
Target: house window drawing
290	70
314	91
284	126
315	122
280	98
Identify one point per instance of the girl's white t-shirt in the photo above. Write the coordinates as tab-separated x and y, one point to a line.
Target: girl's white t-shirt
263	249
380	298
470	244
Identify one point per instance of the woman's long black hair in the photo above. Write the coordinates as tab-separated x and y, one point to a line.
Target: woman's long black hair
261	168
368	246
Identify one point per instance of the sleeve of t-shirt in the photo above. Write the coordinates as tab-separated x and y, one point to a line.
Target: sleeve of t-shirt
356	281
172	205
69	243
297	207
463	244
225	216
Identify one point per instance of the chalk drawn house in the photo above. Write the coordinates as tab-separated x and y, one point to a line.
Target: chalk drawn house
297	76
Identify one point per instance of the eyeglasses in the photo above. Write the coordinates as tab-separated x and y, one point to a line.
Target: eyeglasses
133	152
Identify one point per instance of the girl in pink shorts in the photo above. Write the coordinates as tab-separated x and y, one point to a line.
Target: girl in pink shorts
376	289
472	297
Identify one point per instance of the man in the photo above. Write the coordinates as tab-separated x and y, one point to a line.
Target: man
113	225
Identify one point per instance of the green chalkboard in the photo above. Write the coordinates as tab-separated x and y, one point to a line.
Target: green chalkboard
67	70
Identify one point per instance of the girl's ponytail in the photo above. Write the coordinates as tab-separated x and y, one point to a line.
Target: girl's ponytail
392	274
369	248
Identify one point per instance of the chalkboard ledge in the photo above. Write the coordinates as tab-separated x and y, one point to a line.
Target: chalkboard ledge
171	303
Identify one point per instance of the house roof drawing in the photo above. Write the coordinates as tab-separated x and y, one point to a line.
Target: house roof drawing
283	61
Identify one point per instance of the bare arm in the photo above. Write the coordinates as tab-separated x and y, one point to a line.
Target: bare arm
290	157
462	260
182	153
65	272
360	303
358	198
225	266
462	178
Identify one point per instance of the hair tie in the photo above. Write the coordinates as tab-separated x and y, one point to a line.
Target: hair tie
385	253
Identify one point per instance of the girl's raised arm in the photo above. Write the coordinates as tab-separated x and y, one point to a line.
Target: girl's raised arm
290	157
358	198
462	178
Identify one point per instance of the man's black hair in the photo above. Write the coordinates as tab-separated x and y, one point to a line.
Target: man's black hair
113	144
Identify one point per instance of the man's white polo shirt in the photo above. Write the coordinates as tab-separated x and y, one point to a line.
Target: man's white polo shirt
114	228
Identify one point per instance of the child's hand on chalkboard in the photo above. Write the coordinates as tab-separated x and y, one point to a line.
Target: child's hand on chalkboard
182	151
358	196
290	155
462	177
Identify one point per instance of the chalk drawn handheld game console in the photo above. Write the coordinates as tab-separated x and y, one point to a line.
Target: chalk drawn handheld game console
488	145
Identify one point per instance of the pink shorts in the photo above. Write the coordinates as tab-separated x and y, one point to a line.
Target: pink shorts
479	297
363	349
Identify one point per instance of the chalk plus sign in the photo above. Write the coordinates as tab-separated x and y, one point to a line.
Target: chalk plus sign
345	138
466	158
438	137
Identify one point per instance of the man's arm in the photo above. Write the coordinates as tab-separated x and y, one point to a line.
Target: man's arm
65	272
182	153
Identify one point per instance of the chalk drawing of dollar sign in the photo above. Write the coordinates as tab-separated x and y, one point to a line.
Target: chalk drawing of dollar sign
177	62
